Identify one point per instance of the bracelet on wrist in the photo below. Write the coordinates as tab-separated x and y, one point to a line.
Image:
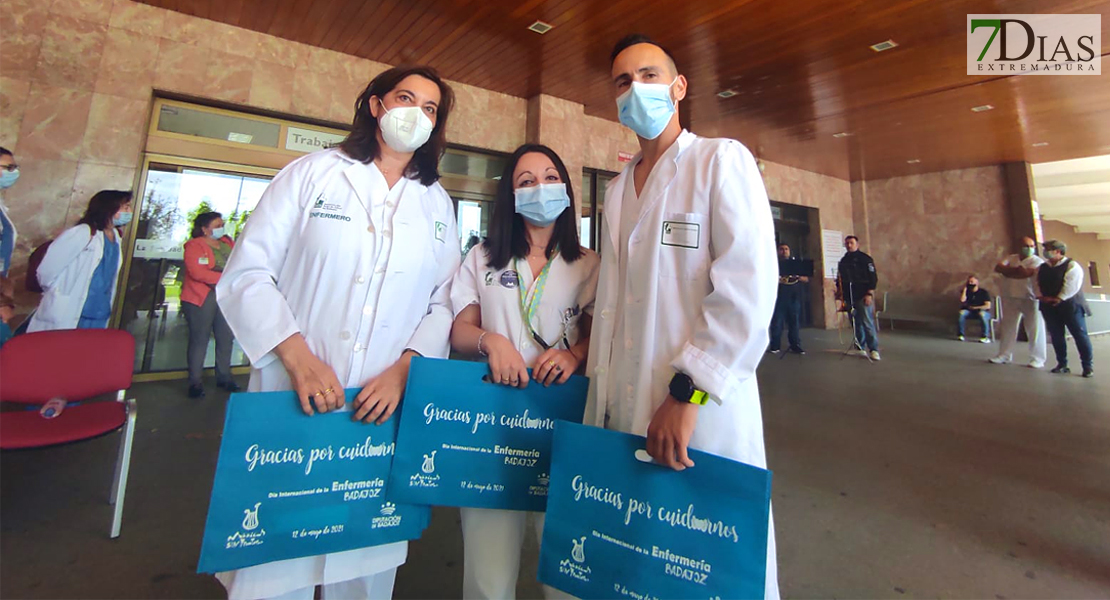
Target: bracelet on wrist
480	349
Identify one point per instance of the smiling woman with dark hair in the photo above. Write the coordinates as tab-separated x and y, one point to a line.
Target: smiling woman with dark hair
523	299
340	277
80	268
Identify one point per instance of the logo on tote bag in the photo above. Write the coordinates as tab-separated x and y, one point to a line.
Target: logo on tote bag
247	537
428	478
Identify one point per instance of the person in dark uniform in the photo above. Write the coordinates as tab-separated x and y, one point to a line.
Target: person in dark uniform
1060	281
788	305
855	288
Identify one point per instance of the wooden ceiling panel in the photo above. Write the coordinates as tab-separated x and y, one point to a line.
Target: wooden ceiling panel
803	71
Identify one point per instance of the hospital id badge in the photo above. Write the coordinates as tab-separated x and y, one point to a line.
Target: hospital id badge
681	234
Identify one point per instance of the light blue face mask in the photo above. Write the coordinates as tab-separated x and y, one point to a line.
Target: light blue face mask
540	205
8	178
122	219
218	232
646	108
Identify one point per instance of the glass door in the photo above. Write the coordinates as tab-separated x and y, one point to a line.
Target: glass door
173	193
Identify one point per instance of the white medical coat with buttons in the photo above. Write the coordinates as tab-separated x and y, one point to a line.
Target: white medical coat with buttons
363	272
700	287
65	273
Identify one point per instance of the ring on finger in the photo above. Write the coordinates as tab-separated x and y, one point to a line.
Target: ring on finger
558	369
328	391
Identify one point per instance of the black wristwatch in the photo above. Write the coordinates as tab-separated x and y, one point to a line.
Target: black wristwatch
682	389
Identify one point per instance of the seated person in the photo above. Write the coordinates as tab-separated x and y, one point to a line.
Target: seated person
975	302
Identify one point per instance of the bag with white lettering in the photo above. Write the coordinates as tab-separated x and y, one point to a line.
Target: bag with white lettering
619	527
464	441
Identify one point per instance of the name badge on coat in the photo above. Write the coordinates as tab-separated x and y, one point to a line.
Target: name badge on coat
203	260
681	234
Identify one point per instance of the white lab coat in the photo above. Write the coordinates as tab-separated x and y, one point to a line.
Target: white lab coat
15	233
65	273
318	257
492	538
702	310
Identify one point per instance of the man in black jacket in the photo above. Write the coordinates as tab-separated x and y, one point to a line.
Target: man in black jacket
1060	281
855	288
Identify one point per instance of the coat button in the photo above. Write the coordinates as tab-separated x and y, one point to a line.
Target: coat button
387	233
379	270
605	314
358	347
370	229
628	344
346	335
360	279
600	370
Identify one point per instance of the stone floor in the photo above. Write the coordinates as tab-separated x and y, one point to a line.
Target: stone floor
929	474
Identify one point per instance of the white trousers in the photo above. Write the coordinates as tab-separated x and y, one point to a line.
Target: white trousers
371	587
1017	311
493	541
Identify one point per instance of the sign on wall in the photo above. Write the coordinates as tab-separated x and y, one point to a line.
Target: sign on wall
310	140
832	248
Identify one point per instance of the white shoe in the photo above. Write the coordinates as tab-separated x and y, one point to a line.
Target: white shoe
998	360
875	356
985	340
960	337
1035	365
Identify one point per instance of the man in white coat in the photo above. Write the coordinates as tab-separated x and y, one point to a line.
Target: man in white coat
1020	306
687	284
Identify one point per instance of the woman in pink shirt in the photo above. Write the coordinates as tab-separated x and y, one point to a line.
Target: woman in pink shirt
206	255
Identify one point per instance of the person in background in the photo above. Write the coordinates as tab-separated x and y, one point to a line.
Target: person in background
206	256
1060	280
7	308
524	298
1019	305
471	242
342	275
788	306
81	267
855	288
687	283
974	302
9	173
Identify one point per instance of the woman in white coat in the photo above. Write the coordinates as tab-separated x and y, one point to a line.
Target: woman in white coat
81	266
524	299
341	275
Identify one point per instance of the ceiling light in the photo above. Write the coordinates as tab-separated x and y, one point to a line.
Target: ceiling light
913	161
842	134
884	46
726	94
1040	144
983	108
540	27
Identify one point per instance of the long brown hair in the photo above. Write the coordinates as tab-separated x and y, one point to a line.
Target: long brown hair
362	143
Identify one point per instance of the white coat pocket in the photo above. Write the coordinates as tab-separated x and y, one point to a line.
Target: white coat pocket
683	241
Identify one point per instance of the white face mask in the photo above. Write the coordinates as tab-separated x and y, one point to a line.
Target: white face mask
405	128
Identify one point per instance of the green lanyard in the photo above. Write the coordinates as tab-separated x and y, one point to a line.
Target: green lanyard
529	302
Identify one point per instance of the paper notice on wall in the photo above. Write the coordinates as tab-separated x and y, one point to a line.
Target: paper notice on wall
832	248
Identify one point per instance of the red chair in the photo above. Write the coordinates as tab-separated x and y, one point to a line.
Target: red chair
75	364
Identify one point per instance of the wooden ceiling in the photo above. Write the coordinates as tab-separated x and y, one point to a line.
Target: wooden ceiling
803	70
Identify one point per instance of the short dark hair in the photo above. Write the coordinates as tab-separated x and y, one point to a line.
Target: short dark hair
362	143
507	239
103	206
639	38
5	152
204	220
852	237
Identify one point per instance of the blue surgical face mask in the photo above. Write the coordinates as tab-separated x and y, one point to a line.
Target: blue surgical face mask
1026	252
646	108
218	233
540	205
8	178
122	219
